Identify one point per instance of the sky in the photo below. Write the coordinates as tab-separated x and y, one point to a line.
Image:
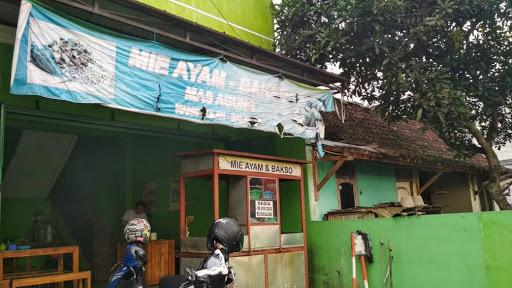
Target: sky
505	152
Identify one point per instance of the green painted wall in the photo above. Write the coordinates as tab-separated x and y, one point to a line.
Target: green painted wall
155	161
289	193
451	250
376	183
496	231
290	190
329	193
244	16
17	216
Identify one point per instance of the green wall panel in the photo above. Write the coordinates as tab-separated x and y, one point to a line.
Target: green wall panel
497	243
17	216
155	161
429	251
289	193
251	19
375	183
329	193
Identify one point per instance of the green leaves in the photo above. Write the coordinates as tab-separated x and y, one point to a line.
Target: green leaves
445	62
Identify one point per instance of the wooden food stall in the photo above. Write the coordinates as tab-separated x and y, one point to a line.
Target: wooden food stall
272	257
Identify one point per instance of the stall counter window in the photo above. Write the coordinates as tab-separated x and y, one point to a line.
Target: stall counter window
263	200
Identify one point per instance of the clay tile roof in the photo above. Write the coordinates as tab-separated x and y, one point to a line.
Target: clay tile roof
403	141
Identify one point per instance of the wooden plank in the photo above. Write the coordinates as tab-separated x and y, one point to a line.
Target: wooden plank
31	274
4	283
39	280
39	252
333	157
1	266
60	267
155	256
76	259
76	262
172	258
415	182
430	182
331	172
160	255
150	268
28	264
164	259
315	175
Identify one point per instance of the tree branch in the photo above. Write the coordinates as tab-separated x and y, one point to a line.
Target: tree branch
493	128
480	139
494	168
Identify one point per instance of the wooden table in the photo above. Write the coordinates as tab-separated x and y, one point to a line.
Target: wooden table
59	251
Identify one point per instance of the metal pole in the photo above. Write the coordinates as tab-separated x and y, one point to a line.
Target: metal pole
216	211
363	267
354	273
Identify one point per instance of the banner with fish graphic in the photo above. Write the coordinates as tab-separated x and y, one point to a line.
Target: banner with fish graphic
63	58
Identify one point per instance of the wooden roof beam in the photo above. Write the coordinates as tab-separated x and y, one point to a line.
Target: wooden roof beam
430	182
331	172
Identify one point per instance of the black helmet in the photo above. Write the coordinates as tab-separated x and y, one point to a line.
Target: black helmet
227	232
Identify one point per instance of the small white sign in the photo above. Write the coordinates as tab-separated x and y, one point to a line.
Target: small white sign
264	209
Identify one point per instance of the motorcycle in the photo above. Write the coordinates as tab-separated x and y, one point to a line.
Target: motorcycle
129	273
224	237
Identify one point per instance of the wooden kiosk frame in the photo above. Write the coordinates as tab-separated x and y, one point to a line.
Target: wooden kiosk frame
214	163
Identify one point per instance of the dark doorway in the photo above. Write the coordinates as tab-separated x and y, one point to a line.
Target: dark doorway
347	195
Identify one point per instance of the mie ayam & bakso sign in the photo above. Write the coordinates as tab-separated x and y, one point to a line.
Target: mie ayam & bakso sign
260	166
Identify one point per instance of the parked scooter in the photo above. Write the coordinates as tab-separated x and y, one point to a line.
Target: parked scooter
129	273
224	237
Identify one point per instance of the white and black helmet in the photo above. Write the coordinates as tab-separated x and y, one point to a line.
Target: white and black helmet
226	232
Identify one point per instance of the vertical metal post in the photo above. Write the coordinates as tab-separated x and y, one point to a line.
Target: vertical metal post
216	212
303	224
315	175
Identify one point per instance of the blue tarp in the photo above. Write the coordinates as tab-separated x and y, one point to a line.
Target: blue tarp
63	58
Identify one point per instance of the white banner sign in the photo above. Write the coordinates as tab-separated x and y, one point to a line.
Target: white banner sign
264	209
261	166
